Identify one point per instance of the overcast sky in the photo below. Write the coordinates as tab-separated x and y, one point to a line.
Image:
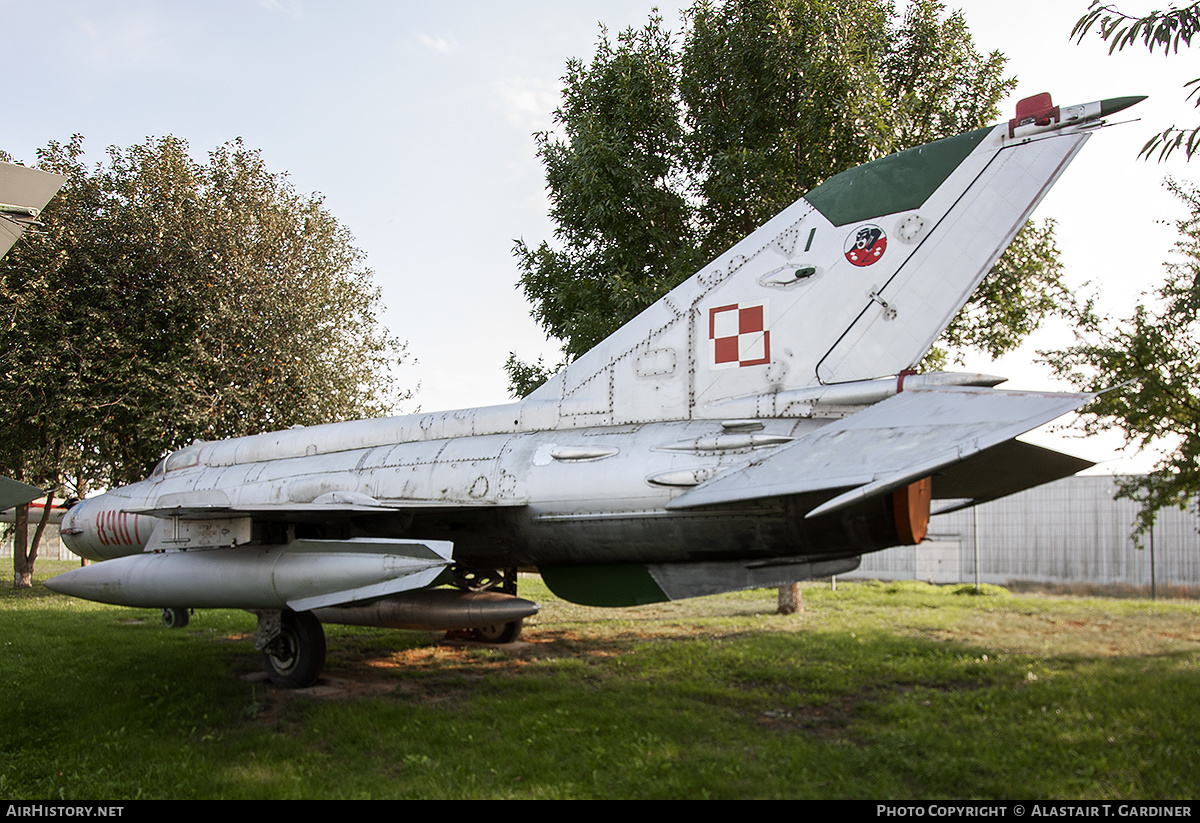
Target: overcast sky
414	120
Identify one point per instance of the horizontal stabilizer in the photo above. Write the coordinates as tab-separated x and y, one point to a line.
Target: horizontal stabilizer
893	443
23	194
16	493
1002	470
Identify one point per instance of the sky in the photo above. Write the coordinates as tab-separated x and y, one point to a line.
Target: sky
415	122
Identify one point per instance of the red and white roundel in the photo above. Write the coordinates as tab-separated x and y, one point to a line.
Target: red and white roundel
865	245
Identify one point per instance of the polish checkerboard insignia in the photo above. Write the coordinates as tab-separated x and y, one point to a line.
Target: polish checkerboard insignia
865	245
740	335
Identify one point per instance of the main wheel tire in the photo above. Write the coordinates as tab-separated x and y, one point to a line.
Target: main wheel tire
295	658
175	618
499	633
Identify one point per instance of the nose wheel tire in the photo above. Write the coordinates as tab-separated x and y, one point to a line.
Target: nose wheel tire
295	657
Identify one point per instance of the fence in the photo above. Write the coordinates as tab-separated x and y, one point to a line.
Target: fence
1070	531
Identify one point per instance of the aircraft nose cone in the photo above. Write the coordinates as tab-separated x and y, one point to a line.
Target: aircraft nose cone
98	528
1115	104
69	530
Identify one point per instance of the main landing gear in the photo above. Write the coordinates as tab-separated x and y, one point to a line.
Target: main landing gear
499	633
175	618
497	580
293	643
293	647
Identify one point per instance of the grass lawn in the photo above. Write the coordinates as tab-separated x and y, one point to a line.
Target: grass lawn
888	691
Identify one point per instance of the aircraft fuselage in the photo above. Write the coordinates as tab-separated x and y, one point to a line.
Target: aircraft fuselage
579	496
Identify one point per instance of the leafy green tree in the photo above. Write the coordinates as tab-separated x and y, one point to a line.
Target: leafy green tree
1148	364
1159	29
669	150
619	201
1149	370
166	300
1022	289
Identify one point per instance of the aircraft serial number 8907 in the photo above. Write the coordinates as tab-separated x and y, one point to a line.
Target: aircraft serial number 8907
757	426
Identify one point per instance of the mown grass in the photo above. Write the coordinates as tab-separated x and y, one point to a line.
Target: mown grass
899	691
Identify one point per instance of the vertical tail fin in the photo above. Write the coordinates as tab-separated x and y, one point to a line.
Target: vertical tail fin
853	281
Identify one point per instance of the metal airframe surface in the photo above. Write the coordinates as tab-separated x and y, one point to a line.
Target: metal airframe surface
758	415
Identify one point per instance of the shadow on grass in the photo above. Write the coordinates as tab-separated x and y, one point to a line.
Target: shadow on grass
849	701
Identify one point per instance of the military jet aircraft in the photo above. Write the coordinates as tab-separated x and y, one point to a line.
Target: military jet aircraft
758	425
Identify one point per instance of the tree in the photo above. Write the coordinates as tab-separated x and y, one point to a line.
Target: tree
166	300
668	151
1147	365
1149	370
1158	29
